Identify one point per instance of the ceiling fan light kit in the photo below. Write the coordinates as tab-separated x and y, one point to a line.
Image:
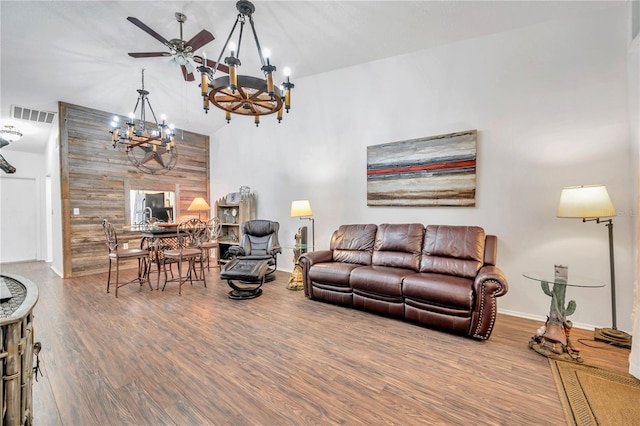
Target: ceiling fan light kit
241	94
179	49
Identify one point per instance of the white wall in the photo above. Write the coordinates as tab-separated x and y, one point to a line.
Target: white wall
28	166
634	122
550	106
52	160
39	167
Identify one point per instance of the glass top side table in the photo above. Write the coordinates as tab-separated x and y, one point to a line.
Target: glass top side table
553	340
572	282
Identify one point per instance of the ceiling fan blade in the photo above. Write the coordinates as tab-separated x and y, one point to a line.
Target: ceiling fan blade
211	64
186	74
138	23
148	54
199	40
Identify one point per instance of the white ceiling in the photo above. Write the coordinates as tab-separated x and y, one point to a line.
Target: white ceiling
76	51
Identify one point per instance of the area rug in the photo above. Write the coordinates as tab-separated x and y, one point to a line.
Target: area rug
593	396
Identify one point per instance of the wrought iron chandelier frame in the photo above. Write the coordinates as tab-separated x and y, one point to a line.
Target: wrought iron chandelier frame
152	151
241	94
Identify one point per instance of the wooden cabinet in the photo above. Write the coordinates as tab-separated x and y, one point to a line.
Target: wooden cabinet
231	216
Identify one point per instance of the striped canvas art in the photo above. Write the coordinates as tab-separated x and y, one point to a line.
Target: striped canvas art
433	171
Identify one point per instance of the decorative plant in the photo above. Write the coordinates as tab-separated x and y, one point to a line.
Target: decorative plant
558	311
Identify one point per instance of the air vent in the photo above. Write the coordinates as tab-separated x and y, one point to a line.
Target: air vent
22	113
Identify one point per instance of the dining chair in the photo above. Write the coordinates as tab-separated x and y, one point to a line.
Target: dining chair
157	244
118	255
190	235
211	242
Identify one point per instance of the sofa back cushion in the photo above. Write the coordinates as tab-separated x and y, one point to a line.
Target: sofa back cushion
453	250
398	245
353	243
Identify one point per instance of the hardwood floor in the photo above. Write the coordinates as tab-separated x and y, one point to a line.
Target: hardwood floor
153	357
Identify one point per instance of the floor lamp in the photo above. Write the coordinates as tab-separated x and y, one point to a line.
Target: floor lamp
592	203
301	209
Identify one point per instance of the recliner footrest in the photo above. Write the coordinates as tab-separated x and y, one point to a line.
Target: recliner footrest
247	271
251	270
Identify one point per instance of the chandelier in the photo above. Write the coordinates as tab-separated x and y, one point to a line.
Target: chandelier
241	94
10	134
152	150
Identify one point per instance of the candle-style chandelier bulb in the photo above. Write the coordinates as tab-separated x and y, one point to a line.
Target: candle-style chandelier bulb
233	63
287	86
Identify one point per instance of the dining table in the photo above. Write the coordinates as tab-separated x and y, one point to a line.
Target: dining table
156	239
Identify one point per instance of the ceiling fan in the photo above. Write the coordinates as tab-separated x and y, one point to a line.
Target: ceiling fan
180	51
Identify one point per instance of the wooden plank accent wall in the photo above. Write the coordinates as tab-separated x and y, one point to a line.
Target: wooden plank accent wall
96	178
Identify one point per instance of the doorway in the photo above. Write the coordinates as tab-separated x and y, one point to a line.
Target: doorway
18	220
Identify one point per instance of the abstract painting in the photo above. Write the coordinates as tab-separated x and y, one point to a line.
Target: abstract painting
431	171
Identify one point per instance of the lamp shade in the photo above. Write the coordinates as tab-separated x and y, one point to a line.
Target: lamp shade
301	208
198	204
585	202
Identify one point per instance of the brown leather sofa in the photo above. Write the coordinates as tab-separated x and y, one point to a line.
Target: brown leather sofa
442	276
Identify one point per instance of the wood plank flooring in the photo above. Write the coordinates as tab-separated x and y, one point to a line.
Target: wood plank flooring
156	358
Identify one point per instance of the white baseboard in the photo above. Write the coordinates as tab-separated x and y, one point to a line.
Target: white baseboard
53	268
543	319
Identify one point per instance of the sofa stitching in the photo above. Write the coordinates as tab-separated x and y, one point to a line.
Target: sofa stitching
481	312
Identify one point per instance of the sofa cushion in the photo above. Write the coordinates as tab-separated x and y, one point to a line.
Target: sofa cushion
382	280
440	290
453	250
335	273
353	243
398	245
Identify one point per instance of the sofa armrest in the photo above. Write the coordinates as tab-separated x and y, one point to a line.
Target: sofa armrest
490	283
317	257
494	273
309	259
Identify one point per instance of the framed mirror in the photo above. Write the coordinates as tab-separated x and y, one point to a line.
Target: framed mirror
145	204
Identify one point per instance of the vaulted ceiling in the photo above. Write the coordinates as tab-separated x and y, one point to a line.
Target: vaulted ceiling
76	51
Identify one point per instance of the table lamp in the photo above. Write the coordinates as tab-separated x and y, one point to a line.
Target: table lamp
592	203
199	204
302	209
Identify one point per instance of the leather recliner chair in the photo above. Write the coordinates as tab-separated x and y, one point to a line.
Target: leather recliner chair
259	241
